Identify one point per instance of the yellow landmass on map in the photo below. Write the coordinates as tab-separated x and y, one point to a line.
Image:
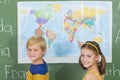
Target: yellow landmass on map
56	7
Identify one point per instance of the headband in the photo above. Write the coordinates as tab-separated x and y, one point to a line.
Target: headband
93	46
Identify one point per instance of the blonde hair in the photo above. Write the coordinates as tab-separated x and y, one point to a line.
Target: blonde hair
37	40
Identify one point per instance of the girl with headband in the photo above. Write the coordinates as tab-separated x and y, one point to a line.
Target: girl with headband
93	60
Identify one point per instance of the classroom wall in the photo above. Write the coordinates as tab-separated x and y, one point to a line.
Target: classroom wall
11	70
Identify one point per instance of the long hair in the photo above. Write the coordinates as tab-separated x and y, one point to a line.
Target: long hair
94	46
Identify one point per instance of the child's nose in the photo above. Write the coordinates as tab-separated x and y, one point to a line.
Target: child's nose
85	58
31	52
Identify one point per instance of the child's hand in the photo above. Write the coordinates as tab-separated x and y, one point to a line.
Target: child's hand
80	43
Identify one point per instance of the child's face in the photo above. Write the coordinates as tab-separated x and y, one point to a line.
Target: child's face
35	53
88	58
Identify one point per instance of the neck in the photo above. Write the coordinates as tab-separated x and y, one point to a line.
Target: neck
38	62
93	67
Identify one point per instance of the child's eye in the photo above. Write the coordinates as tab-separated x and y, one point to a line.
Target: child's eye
88	56
36	49
82	55
29	49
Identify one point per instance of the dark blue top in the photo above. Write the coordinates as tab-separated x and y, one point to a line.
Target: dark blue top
39	69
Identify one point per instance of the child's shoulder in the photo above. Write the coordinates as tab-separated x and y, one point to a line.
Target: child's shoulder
90	76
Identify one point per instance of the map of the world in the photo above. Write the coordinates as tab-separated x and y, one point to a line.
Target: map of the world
63	24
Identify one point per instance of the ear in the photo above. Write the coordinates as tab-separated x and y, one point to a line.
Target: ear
44	51
98	58
80	43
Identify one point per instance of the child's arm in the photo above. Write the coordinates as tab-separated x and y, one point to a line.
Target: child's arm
90	76
28	76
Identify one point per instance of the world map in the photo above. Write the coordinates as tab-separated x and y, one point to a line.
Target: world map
62	25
